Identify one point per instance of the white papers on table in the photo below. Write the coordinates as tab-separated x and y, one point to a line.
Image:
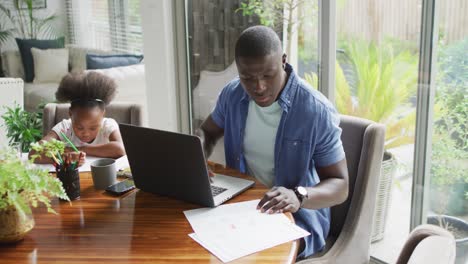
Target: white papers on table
235	230
120	163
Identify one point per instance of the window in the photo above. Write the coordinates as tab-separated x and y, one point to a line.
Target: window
105	24
447	195
380	49
376	78
213	28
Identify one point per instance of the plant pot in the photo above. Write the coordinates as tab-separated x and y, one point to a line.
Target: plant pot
71	182
461	242
384	191
14	225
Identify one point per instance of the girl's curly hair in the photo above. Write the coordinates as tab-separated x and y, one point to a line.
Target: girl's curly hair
86	89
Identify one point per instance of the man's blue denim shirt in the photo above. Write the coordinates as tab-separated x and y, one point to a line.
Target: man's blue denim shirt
308	136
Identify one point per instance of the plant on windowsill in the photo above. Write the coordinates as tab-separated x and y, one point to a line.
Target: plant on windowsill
22	185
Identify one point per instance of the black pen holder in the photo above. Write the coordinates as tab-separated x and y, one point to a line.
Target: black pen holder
71	182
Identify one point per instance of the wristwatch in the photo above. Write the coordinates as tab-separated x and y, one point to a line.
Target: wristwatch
301	193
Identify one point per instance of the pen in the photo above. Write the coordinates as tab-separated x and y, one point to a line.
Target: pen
55	159
69	141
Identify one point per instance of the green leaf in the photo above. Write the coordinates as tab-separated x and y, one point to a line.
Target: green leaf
23	185
22	126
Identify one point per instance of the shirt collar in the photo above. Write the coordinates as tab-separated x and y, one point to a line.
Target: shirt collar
287	94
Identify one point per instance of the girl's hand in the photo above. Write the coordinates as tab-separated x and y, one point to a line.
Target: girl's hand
82	158
78	156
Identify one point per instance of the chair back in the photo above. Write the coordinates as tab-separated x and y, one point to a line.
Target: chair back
126	113
351	221
364	153
428	244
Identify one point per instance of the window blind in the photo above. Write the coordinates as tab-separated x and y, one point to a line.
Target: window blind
105	24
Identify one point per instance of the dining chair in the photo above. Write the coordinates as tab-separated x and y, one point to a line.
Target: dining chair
127	113
351	221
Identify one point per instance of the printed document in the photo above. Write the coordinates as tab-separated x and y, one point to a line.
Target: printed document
235	230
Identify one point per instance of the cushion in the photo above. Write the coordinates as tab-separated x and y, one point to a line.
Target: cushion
94	61
12	65
25	46
44	59
77	56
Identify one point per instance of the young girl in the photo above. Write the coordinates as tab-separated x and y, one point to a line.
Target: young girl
87	128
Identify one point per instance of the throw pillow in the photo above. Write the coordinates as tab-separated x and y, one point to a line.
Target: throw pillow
25	46
50	65
94	61
77	56
12	65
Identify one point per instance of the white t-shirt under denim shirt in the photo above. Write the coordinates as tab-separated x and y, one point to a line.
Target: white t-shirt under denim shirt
108	126
259	141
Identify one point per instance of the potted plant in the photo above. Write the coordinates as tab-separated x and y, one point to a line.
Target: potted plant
23	185
65	164
23	127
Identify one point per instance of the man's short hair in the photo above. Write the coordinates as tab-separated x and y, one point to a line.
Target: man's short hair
257	41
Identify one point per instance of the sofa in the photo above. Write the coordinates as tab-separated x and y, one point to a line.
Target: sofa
130	80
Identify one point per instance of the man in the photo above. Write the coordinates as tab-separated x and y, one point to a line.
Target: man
282	132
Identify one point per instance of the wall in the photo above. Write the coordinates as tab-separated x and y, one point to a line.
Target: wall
56	7
160	63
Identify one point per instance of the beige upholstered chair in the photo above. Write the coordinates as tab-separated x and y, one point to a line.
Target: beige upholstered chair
351	222
428	244
122	113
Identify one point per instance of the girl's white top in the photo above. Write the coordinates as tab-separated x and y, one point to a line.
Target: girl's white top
108	126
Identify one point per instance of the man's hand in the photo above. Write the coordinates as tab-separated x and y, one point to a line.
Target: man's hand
199	133
279	200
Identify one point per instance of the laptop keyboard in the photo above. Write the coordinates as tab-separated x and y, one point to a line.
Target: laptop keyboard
215	190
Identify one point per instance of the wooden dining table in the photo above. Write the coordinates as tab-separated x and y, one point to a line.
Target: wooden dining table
138	227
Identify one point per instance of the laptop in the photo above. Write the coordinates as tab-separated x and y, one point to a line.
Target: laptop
173	164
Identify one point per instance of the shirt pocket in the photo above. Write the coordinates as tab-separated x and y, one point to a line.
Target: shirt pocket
296	156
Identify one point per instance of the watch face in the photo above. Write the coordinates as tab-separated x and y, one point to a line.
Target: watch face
302	191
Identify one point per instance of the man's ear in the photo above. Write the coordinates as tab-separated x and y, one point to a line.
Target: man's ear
283	59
